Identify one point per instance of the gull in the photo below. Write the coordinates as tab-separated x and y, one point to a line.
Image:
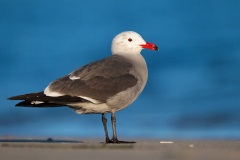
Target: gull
104	86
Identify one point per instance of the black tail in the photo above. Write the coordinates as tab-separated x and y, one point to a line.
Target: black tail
41	100
38	104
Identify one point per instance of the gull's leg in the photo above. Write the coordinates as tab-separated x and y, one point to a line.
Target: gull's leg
104	120
113	118
114	139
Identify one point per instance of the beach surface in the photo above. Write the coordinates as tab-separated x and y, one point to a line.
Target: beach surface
59	149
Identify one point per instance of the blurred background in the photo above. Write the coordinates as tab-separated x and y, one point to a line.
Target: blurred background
193	90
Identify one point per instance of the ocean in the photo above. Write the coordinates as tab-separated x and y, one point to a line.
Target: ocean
193	88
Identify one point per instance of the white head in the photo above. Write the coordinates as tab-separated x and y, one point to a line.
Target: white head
130	42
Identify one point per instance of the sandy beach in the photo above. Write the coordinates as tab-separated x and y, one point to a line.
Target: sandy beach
17	149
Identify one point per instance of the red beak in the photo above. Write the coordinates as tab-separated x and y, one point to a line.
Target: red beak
150	46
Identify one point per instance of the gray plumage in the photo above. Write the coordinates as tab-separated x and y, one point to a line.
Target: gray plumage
99	80
103	86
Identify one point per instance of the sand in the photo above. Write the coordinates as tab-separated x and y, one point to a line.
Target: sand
36	149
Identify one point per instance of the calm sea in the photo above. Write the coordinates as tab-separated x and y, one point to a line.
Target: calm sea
193	89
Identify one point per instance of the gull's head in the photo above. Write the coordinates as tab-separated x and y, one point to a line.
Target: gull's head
130	42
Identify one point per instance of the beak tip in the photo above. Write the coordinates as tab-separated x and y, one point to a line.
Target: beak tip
156	48
150	46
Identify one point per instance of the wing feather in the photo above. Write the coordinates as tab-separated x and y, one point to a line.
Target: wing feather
98	80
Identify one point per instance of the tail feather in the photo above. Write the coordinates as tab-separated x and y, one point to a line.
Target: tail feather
37	104
29	96
41	100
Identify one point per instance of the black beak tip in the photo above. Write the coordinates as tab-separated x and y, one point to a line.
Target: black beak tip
156	48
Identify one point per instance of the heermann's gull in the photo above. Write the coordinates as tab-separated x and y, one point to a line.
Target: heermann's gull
104	86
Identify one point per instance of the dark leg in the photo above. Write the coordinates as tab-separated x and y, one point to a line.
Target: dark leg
114	139
104	120
113	118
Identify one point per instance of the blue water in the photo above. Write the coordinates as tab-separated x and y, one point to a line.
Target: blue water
193	90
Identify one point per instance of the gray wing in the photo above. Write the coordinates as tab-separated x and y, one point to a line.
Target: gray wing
98	80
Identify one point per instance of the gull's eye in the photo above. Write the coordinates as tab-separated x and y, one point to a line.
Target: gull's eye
129	39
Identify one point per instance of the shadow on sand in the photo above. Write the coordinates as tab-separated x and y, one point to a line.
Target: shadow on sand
49	140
